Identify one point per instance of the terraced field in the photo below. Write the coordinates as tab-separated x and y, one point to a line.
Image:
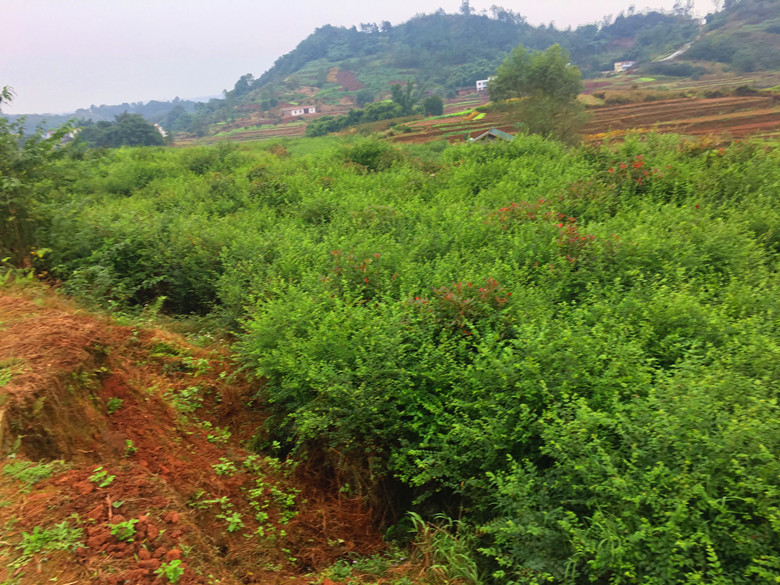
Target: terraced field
726	117
735	117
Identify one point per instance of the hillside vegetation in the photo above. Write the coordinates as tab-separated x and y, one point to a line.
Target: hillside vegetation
442	52
566	358
746	36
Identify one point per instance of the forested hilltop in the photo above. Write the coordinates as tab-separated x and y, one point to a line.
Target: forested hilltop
442	53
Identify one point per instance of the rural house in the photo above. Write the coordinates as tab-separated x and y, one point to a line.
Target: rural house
492	134
299	111
621	66
482	84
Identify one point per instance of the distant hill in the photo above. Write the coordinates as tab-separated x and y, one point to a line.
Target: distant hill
162	112
338	66
745	36
452	50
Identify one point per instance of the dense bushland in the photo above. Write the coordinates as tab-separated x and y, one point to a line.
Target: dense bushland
575	351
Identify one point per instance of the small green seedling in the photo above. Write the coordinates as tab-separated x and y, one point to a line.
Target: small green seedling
234	521
225	467
171	571
124	531
113	404
100	476
130	449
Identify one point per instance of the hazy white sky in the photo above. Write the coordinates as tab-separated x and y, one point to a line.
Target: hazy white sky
60	55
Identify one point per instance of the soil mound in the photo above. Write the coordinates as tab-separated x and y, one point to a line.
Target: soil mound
122	461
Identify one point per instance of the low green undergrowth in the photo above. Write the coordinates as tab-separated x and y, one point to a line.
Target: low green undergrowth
573	351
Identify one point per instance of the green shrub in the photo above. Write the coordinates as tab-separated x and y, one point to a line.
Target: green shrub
674	487
571	349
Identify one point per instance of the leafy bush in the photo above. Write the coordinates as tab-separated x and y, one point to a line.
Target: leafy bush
373	155
657	491
59	537
573	350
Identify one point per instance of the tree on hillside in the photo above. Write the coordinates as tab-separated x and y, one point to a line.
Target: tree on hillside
405	96
547	73
363	97
548	85
243	85
433	106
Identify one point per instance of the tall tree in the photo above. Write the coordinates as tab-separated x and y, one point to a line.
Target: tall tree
433	106
128	130
548	74
405	96
548	85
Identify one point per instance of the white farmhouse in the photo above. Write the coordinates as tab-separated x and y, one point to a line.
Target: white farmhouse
482	84
299	111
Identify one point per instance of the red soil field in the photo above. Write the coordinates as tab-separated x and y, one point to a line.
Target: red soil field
348	81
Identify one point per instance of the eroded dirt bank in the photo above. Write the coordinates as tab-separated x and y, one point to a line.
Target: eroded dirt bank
123	462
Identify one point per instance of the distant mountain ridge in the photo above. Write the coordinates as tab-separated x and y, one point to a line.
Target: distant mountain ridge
152	111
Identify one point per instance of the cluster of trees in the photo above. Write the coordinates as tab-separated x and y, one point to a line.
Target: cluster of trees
127	130
407	100
674	69
371	113
410	97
